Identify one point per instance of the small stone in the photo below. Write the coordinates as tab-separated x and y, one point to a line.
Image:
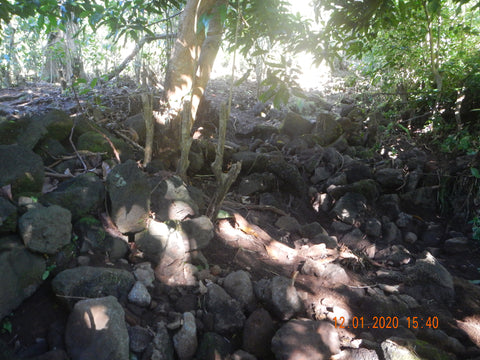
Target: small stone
139	338
285	299
373	227
139	295
239	286
287	223
144	273
258	331
410	237
456	245
185	340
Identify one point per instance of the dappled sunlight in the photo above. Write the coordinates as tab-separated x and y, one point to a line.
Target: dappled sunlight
96	318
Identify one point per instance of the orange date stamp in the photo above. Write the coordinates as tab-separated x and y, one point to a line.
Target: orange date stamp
386	322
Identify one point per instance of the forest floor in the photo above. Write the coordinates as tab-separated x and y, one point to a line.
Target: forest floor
367	263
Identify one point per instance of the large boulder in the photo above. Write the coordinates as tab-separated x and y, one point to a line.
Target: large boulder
46	229
171	200
92	282
21	271
129	193
327	128
22	169
25	132
97	142
350	207
82	195
96	329
199	231
58	124
295	125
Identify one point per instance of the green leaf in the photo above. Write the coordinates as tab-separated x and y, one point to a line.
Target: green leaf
475	172
93	83
223	214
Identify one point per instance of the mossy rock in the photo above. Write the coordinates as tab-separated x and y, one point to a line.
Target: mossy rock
96	142
8	216
26	131
58	124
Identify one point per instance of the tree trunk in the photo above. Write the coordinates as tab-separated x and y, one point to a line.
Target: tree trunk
193	54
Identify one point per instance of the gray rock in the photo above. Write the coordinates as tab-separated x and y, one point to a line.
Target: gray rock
258	331
421	199
350	207
91	234
311	230
171	200
25	132
153	241
456	245
22	169
332	273
285	300
407	349
185	340
436	281
391	233
389	179
356	171
306	339
289	174
321	173
327	128
373	227
96	329
287	223
213	347
46	229
330	242
389	205
436	336
144	273
252	162
129	193
8	216
58	124
239	286
162	343
82	195
404	220
139	295
92	282
140	338
256	183
295	125
115	247
21	273
410	237
359	354
432	236
229	317
199	232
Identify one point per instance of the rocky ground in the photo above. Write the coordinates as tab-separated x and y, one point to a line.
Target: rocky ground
335	242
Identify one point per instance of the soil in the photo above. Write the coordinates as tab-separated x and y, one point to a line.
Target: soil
34	318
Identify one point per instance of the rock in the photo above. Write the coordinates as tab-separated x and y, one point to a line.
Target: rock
139	338
407	349
185	340
285	300
327	128
290	176
356	171
95	142
389	179
67	196
239	286
358	354
330	242
288	223
391	233
229	317
92	282
242	355
410	237
25	132
8	216
421	199
21	271
311	230
295	125
437	283
153	241
350	207
321	173
255	183
174	268
171	200
91	234
432	236
389	205
367	188
162	343
257	332
252	162
456	245
448	343
139	295
144	273
199	232
334	274
96	329
213	347
373	227
22	169
58	124
129	193
395	255
306	339
46	229
115	247
404	220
